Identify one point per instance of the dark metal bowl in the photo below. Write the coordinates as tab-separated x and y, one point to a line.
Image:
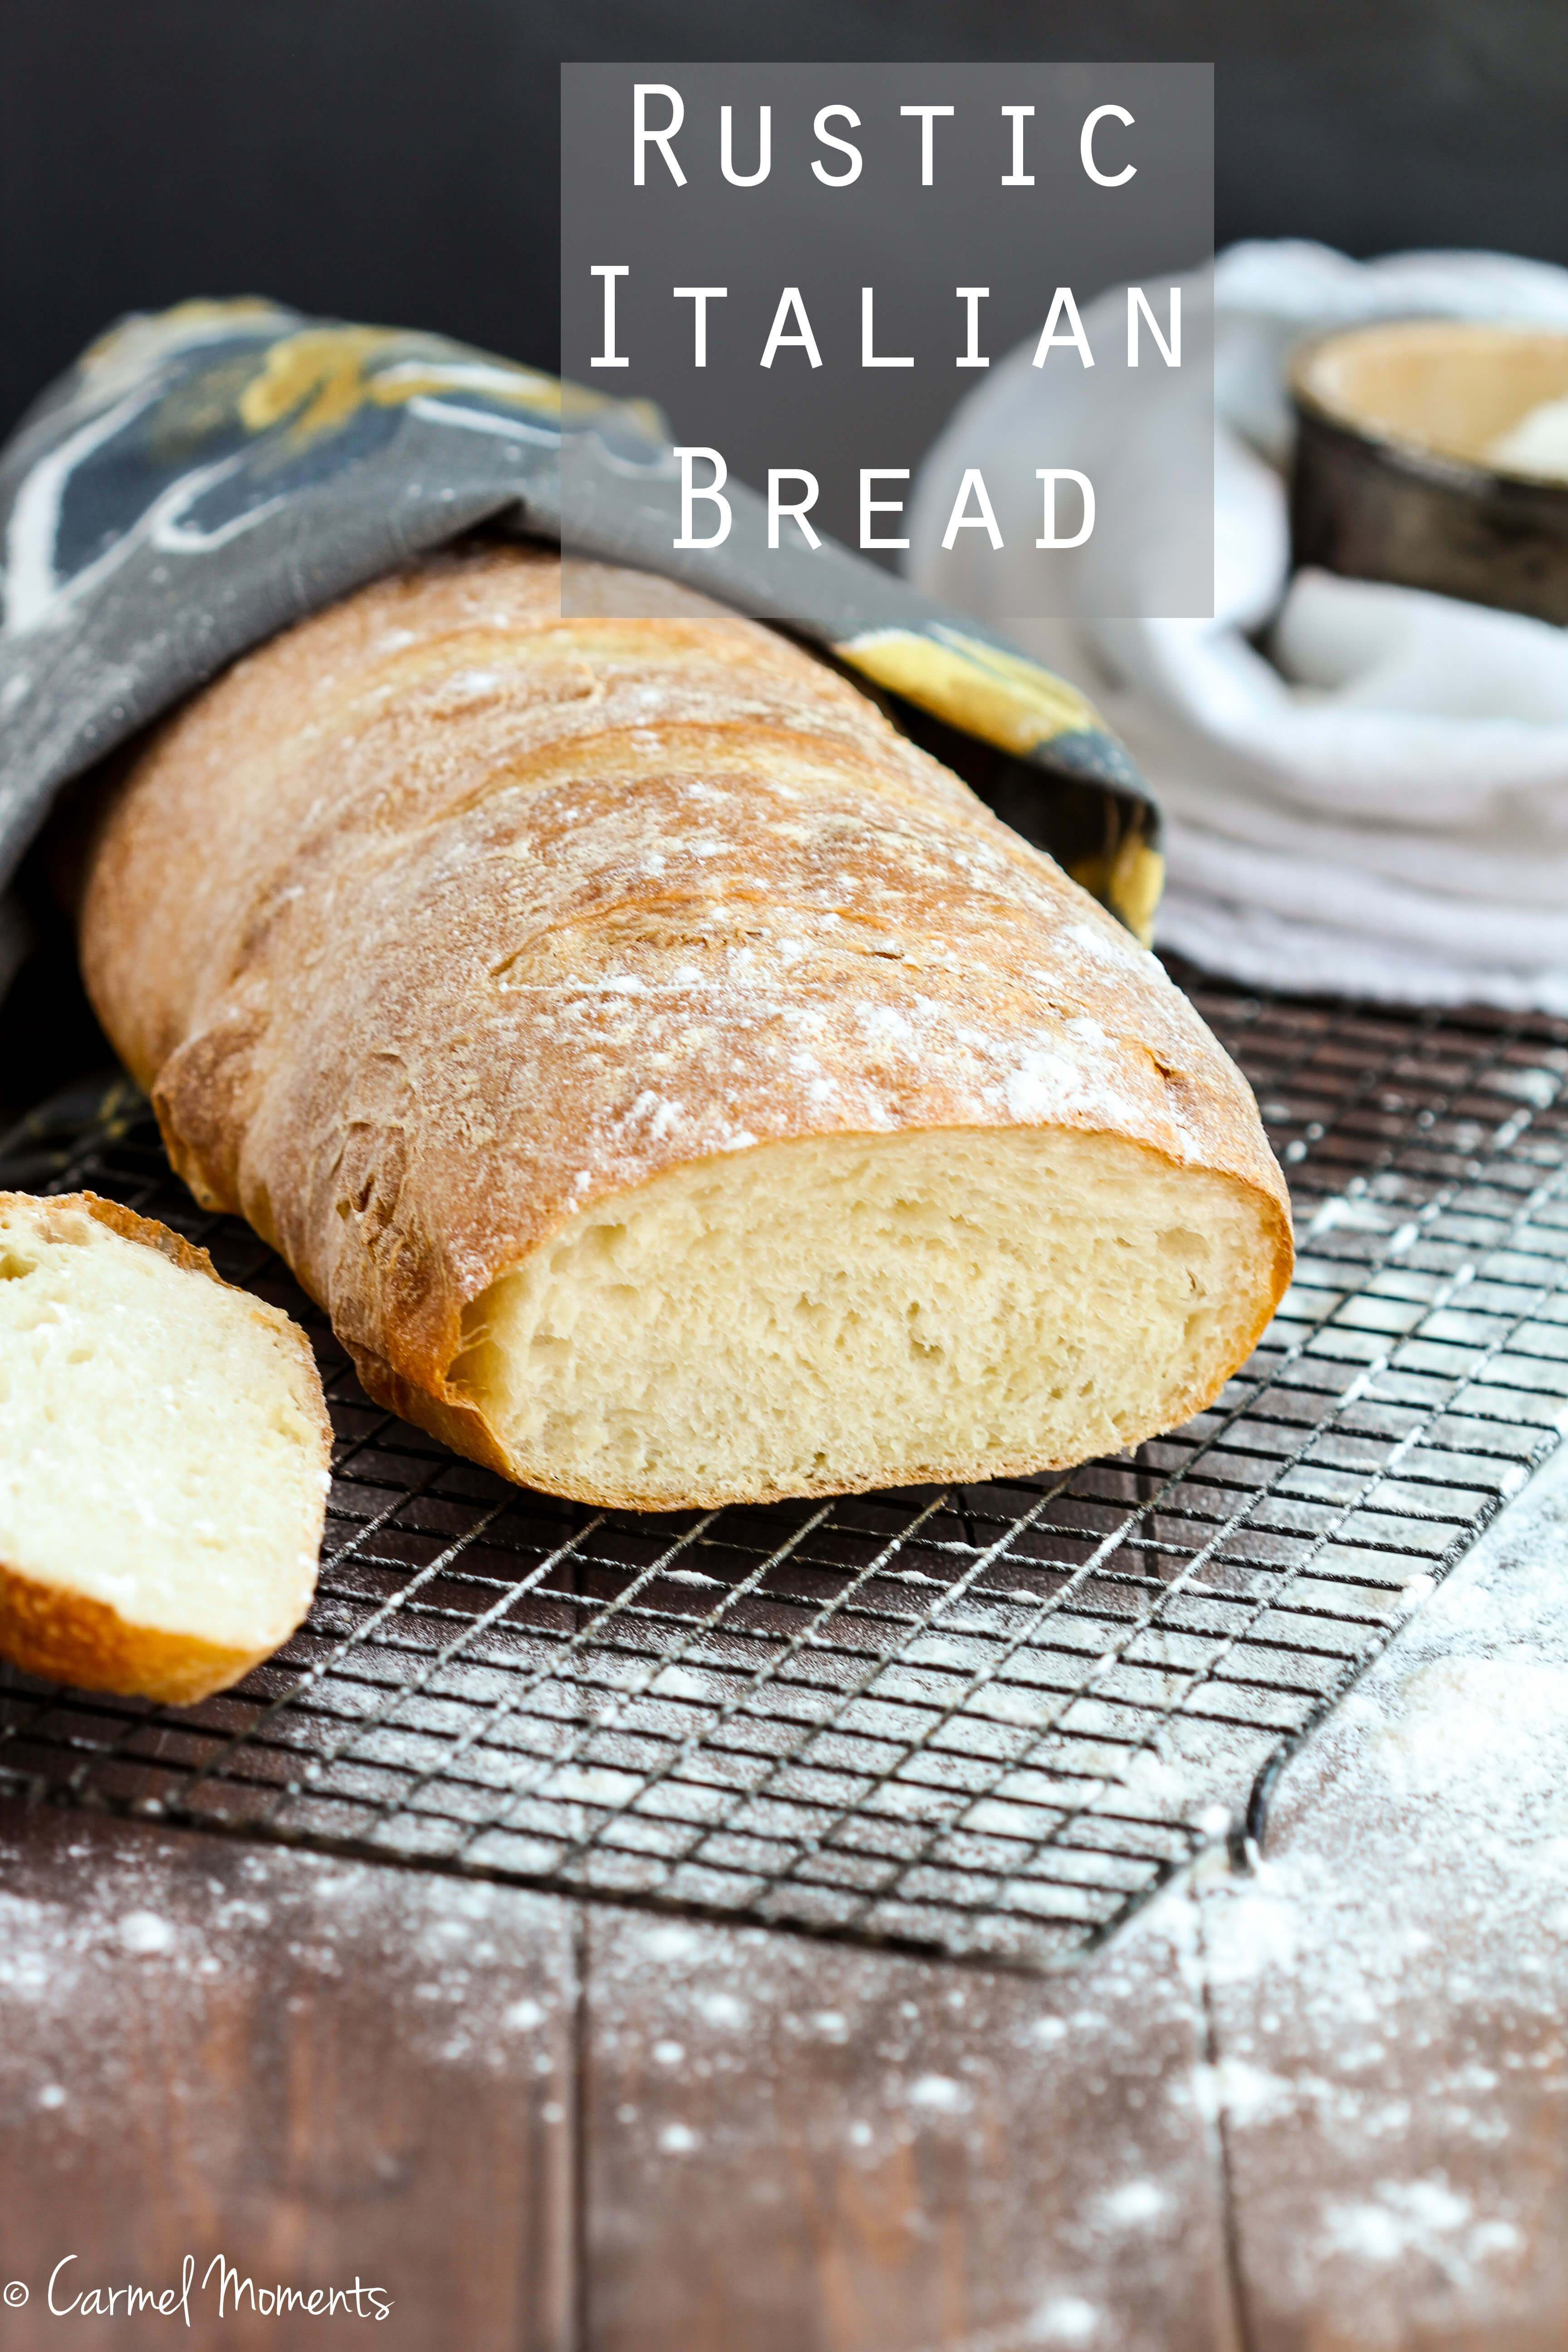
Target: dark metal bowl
1391	480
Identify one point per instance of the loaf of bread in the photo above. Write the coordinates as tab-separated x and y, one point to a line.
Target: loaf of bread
163	1449
677	1087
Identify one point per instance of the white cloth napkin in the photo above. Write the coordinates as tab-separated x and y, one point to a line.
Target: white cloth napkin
1377	804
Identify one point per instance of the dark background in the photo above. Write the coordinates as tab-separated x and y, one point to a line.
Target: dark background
396	161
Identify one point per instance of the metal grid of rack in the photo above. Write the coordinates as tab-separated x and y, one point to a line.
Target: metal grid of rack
985	1722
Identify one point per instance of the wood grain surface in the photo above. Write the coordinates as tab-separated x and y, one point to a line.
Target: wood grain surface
321	2070
796	2148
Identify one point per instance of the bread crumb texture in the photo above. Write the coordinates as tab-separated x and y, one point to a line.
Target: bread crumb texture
862	1310
163	1450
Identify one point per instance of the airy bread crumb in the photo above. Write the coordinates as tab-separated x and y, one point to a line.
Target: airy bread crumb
163	1450
855	1311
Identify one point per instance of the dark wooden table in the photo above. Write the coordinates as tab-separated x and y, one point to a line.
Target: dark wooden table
1322	2106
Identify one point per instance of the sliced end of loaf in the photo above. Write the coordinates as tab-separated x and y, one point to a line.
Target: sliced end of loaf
164	1452
846	1312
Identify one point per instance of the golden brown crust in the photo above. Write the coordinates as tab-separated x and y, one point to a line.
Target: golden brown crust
50	1212
64	1637
456	1419
444	917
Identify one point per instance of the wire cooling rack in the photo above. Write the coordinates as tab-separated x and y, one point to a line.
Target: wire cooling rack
985	1722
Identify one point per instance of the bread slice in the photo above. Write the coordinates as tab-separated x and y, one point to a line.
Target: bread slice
163	1450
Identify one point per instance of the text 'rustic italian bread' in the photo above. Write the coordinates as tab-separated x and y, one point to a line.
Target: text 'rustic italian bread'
163	1447
677	1088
